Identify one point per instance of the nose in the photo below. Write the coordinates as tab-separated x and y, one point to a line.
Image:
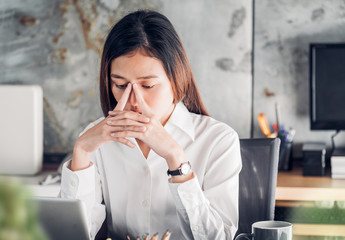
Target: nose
132	99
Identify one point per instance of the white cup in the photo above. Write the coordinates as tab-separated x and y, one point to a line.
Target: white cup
269	230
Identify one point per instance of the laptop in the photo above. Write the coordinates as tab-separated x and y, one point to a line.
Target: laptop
62	219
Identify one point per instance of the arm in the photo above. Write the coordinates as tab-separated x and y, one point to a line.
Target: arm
80	176
210	211
85	185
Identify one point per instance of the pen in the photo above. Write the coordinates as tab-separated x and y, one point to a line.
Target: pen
290	135
265	128
264	124
277	115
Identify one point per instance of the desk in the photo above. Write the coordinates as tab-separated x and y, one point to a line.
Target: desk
293	186
293	189
41	190
32	182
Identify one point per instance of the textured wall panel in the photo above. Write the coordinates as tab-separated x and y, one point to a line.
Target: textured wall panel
56	44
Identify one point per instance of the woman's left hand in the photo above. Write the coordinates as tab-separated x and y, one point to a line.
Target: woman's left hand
155	136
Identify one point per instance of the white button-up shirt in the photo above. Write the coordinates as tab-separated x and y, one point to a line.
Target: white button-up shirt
136	196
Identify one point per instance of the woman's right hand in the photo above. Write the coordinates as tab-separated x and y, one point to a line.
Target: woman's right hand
100	134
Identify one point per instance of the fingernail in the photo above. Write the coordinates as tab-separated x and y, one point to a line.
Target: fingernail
156	234
113	134
134	85
142	128
109	122
146	119
111	112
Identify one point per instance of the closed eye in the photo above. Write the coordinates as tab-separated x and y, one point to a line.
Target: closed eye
146	86
122	86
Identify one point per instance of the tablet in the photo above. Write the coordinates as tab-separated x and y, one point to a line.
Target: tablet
62	219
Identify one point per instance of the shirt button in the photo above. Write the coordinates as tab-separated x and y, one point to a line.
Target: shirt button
195	228
73	183
145	203
187	196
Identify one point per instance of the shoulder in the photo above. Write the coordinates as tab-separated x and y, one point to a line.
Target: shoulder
205	125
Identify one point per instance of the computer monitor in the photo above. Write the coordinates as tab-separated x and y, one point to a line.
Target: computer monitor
327	86
21	129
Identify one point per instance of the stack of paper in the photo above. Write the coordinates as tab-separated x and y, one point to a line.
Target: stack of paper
338	163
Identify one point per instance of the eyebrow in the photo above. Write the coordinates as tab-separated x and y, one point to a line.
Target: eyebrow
143	77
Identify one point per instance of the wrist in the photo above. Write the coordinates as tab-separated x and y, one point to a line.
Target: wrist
175	159
81	159
174	162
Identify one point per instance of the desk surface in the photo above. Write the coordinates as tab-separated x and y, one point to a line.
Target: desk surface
32	182
293	186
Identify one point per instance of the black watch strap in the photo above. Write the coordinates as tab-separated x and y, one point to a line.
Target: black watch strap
182	170
174	172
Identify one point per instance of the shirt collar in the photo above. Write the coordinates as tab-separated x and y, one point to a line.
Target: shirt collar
182	119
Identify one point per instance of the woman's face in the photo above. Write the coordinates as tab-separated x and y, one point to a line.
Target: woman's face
149	75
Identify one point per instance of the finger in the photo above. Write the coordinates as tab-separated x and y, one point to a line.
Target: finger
124	141
128	128
129	115
124	98
124	122
166	236
128	238
147	237
142	105
155	237
126	134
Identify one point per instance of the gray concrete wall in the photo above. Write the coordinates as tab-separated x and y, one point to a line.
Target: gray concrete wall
283	31
56	44
218	40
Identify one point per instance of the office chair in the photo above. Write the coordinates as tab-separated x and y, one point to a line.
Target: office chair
257	181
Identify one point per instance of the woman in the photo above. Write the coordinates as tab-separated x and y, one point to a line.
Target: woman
154	125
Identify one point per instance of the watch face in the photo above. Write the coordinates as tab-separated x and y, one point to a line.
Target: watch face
185	168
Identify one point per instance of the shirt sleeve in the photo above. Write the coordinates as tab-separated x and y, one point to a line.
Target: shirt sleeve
210	210
86	186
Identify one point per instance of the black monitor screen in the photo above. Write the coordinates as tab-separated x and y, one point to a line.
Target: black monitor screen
327	80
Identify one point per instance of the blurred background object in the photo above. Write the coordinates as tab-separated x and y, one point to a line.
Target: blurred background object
21	129
18	216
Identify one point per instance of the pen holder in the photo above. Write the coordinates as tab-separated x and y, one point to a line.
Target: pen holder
285	159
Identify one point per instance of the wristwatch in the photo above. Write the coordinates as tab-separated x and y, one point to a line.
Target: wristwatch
184	169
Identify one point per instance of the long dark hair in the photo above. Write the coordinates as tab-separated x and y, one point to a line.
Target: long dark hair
152	32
